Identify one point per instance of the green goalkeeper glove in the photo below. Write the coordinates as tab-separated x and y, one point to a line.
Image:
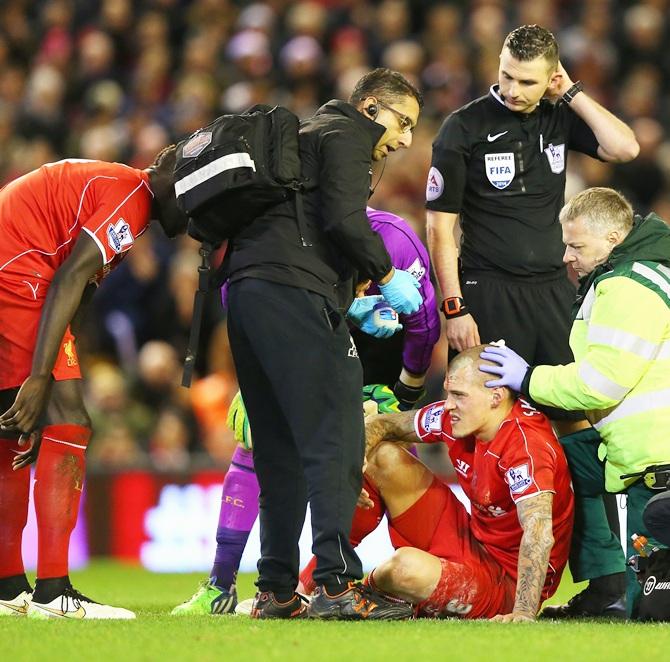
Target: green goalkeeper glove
383	398
238	422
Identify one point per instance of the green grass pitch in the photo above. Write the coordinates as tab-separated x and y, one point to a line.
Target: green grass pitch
155	635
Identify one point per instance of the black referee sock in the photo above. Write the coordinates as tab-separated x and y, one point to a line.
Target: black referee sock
12	586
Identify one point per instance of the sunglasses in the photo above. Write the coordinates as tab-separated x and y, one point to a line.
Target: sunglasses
404	122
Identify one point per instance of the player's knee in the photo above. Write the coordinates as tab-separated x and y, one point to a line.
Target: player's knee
385	457
405	569
386	464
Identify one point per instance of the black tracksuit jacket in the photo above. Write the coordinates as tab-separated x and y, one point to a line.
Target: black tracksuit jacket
336	147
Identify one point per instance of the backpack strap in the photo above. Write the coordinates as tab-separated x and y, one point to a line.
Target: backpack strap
299	188
204	269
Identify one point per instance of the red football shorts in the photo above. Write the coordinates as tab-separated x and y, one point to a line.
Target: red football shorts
21	305
472	584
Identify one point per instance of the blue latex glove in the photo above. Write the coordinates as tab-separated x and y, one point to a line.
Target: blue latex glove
381	321
511	367
361	307
401	292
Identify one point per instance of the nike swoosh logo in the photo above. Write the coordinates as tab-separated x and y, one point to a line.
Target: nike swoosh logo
491	138
79	613
17	608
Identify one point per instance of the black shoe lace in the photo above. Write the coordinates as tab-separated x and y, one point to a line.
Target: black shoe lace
77	598
302	597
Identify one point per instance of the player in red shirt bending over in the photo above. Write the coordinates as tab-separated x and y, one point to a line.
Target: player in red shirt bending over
506	557
63	226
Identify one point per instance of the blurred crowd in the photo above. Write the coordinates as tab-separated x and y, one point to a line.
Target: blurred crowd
119	79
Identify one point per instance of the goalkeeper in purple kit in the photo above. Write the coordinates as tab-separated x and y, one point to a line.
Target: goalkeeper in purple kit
395	359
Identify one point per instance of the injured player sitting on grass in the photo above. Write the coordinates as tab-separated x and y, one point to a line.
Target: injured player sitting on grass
505	558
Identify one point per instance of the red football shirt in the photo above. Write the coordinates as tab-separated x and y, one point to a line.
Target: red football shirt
43	213
523	459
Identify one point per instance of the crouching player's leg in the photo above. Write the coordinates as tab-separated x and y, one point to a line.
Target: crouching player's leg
439	566
15	591
239	510
59	480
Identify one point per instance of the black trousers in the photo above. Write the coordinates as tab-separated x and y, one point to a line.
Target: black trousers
301	380
532	315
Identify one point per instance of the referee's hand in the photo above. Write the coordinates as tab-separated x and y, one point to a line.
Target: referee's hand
462	333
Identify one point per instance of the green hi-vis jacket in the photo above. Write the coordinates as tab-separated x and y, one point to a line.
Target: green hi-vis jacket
620	339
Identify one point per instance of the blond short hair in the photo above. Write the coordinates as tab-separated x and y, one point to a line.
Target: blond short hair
601	208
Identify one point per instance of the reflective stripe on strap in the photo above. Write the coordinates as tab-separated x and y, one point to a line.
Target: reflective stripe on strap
216	167
653	276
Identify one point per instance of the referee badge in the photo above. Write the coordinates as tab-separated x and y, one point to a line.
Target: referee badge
500	169
434	185
556	156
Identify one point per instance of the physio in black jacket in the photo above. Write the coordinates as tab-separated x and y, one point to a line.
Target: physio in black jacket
290	287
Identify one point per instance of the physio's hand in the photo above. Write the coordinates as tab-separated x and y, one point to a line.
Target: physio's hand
514	617
381	322
510	368
361	307
462	333
25	412
27	457
401	292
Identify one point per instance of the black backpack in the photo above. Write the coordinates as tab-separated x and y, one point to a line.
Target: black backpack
226	175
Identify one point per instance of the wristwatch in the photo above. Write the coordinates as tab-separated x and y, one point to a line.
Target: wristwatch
573	91
454	307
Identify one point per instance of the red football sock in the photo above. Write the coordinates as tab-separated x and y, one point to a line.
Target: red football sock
59	479
14	493
364	522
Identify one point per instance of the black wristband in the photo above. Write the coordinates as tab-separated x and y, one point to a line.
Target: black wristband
573	91
407	395
454	307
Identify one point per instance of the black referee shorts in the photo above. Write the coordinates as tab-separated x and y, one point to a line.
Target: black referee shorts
533	315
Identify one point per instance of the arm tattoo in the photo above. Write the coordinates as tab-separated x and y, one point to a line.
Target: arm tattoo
536	520
389	427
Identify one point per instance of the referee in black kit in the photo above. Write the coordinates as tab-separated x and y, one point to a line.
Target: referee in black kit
298	368
499	165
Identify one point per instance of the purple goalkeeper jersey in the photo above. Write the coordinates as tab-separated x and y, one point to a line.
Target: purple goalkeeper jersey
422	328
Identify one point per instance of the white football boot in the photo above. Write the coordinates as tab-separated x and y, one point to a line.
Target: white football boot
18	606
73	605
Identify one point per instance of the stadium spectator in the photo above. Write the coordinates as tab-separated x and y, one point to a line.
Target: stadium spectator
507	556
64	227
111	410
498	168
620	375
